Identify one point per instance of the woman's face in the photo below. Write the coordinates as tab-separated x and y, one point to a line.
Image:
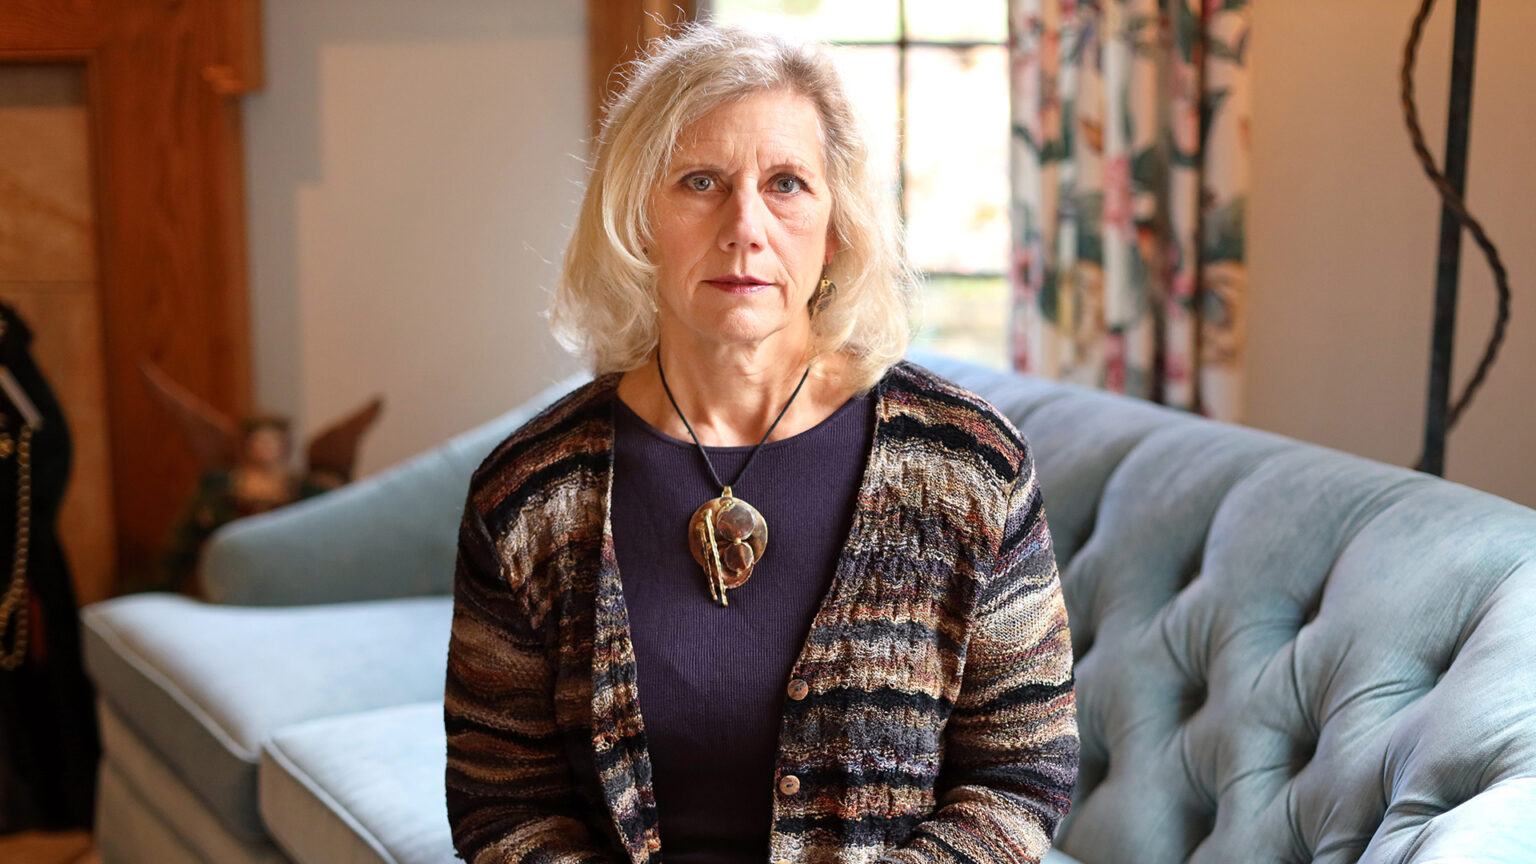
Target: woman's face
740	223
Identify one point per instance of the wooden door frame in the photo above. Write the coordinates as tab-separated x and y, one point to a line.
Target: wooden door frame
163	82
616	31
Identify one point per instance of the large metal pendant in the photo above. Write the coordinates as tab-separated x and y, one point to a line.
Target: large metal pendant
727	536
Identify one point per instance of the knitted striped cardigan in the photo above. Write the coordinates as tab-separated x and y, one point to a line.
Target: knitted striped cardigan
939	722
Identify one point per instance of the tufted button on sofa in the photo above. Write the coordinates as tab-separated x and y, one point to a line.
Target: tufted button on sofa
1284	654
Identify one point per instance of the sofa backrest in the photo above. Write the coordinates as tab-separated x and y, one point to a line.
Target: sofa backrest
1284	653
391	534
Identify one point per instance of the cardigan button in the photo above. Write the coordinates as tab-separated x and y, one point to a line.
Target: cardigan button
798	689
789	784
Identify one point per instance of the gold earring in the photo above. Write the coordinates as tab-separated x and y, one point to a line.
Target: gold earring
823	296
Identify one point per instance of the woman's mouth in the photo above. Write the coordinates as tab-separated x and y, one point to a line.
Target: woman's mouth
738	284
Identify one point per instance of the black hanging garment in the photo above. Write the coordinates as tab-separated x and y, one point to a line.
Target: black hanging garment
48	744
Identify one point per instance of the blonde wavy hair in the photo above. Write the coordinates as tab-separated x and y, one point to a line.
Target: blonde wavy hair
604	306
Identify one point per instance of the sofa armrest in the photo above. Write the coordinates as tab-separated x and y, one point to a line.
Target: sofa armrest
388	535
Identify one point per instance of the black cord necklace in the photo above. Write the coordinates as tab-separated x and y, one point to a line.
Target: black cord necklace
726	534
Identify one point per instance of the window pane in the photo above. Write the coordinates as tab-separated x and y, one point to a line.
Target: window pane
828	20
957	159
966	318
947	20
869	75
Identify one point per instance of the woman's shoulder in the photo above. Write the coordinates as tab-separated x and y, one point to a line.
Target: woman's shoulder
919	402
563	441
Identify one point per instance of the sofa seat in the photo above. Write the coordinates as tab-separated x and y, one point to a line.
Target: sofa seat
202	686
362	789
368	789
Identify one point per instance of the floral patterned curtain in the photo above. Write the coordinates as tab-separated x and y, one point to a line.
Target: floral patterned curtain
1126	276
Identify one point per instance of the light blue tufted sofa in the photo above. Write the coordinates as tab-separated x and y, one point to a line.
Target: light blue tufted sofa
1285	654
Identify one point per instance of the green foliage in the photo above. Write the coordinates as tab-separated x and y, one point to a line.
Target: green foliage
1185	30
1146	169
1141	33
1226	231
1233	53
1214	101
1053	150
1090	226
1049	292
1214	311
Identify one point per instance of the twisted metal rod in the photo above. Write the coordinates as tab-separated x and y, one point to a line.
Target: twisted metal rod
1457	206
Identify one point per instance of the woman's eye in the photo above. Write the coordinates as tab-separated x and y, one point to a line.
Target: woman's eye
787	184
700	183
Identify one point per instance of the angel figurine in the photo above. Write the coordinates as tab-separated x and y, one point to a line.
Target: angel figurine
247	469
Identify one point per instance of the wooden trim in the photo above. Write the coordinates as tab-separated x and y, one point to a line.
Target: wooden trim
616	31
239	39
31	27
47	55
166	151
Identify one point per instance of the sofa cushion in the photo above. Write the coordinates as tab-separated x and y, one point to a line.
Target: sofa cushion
365	788
204	685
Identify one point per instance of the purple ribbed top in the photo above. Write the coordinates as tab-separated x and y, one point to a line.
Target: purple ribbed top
712	680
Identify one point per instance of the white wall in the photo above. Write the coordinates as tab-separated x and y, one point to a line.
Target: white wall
412	173
1344	228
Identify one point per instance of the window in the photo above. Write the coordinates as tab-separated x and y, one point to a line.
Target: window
930	78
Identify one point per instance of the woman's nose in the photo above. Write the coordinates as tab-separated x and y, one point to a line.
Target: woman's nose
745	220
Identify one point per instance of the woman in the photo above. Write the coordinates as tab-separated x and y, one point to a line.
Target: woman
888	673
